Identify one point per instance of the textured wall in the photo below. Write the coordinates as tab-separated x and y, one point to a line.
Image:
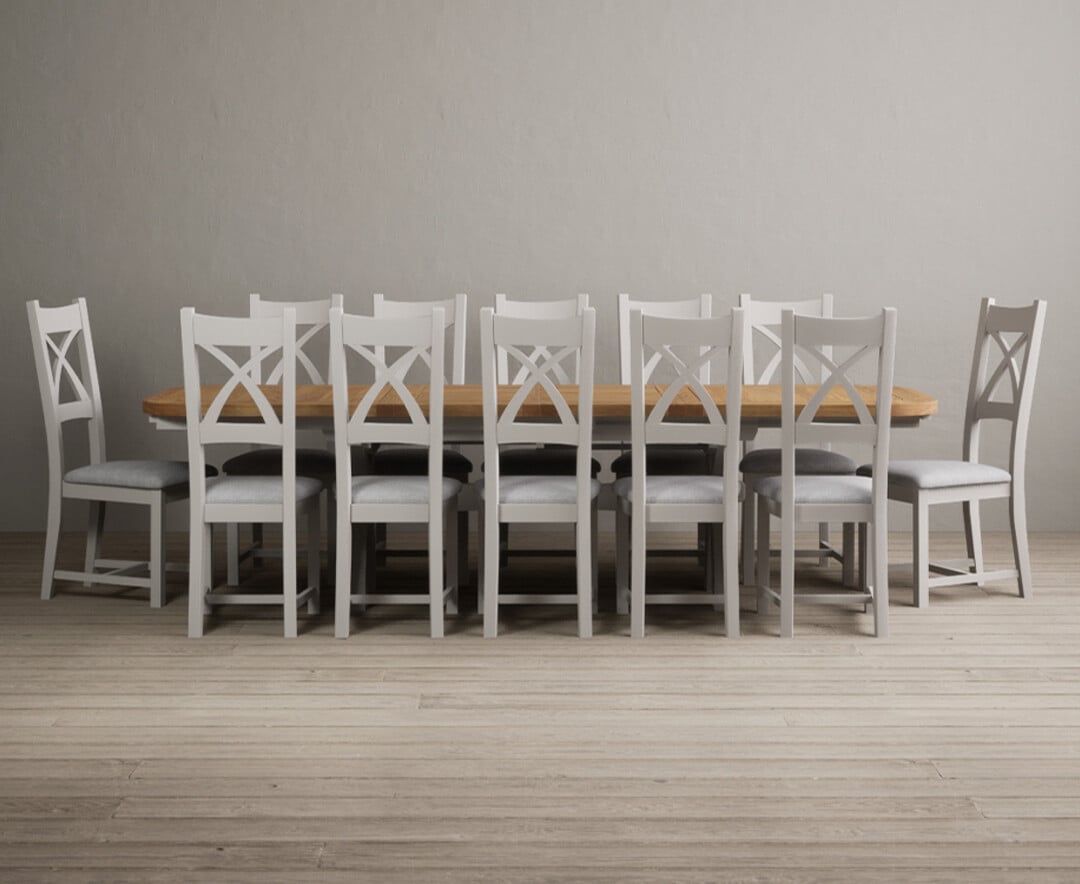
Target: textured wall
921	155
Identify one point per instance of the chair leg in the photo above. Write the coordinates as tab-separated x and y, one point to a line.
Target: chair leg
95	525
453	558
748	520
314	558
480	561
197	584
920	552
622	560
491	575
823	542
595	557
881	580
638	539
973	536
763	566
52	542
847	567
864	574
584	567
714	575
1018	521
156	564
288	575
343	560
728	540
787	575
232	543
435	570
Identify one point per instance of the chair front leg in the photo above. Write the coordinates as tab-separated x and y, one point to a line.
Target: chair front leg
156	564
973	537
343	561
453	552
52	540
881	580
920	552
94	529
762	567
435	569
1018	522
490	553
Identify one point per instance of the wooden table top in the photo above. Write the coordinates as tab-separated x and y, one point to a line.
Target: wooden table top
610	401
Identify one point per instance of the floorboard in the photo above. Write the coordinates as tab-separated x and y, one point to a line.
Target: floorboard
948	752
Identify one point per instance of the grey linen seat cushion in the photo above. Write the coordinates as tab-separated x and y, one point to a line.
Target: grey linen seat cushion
398	460
671	460
819	489
151	475
399	489
258	489
808	462
313	462
539	489
700	489
940	473
551	460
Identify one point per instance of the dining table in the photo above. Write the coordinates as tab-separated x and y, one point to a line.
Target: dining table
463	406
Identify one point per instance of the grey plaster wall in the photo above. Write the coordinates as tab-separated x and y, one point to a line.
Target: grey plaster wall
914	154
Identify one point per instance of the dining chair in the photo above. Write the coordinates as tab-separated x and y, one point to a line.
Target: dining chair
540	347
70	392
683	347
763	358
367	499
1012	336
533	460
867	347
316	463
669	460
409	460
278	498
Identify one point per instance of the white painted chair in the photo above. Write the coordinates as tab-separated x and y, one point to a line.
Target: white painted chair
763	359
312	318
275	498
70	392
398	460
867	347
685	347
370	499
663	459
1013	336
533	460
540	347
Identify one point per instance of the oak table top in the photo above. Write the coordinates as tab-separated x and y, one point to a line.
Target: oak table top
760	403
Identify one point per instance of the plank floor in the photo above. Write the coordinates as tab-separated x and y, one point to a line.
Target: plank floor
949	752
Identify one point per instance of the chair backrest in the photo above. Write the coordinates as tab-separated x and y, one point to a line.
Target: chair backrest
1013	337
865	348
562	309
683	345
311	318
68	386
251	417
454	310
690	308
762	337
408	341
539	346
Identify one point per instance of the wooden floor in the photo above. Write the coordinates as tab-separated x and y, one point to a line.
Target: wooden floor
949	752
